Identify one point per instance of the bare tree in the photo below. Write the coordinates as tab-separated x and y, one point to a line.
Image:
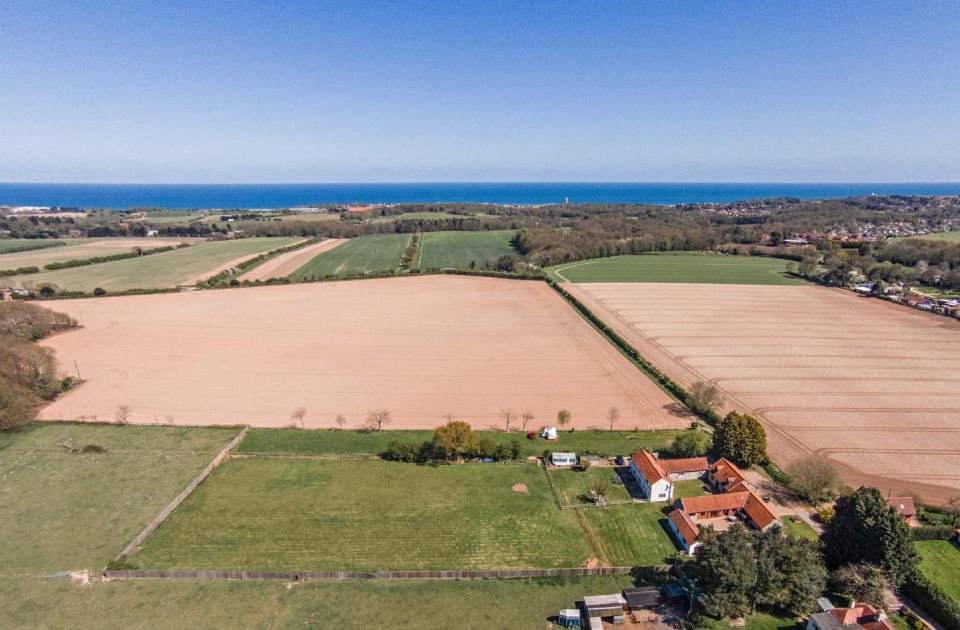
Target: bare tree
508	417
340	420
563	417
525	417
124	412
297	415
613	414
170	419
377	418
704	398
600	492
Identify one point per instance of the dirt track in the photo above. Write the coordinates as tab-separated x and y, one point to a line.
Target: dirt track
422	347
283	265
873	386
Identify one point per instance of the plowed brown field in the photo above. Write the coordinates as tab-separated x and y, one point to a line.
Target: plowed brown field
422	347
870	385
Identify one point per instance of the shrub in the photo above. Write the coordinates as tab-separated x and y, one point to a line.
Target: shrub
29	321
933	532
398	451
99	291
18	405
826	514
692	443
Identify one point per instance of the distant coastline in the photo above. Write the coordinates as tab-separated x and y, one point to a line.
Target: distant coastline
252	196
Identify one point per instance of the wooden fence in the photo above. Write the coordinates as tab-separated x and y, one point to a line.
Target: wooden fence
461	574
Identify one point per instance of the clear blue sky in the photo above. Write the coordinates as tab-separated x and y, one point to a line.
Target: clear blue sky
236	91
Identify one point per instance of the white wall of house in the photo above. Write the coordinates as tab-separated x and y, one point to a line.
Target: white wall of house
661	490
696	474
688	549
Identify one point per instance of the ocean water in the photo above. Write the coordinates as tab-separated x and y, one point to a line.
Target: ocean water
249	196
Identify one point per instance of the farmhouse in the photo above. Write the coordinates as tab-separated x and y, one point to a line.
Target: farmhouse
656	476
735	500
859	616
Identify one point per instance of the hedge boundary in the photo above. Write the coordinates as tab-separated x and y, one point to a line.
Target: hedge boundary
934	600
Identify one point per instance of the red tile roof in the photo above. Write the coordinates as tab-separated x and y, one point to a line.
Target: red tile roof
862	614
904	505
724	472
758	512
687	465
649	467
750	504
687	528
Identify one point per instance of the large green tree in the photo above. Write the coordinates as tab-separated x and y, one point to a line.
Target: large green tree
692	443
457	438
727	573
866	529
741	438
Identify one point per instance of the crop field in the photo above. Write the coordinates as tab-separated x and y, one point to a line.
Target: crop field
283	265
9	245
66	510
364	254
440	250
869	385
170	269
679	267
940	562
422	347
283	514
402	605
82	249
362	442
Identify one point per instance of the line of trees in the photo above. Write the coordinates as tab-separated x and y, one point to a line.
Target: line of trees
453	441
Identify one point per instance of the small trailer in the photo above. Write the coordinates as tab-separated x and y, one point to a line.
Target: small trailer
563	459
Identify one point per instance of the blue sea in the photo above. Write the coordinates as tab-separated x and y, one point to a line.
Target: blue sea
251	196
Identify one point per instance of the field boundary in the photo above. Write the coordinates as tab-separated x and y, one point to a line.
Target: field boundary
299	576
181	497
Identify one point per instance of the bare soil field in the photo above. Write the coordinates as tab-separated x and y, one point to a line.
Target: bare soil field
283	265
422	347
872	386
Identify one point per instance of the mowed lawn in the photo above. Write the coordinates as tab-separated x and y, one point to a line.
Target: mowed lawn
679	267
517	604
574	486
350	441
303	514
631	535
66	511
8	245
940	561
168	269
364	254
459	249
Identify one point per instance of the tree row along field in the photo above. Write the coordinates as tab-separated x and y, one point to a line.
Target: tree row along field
168	269
866	384
678	267
81	249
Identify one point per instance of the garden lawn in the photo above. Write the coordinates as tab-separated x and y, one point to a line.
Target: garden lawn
365	254
460	249
335	442
940	562
756	621
630	535
66	511
398	605
677	267
573	486
795	526
157	271
310	514
9	245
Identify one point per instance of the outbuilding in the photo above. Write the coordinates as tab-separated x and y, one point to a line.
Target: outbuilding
563	459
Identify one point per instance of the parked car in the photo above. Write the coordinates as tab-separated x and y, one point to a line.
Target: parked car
619	460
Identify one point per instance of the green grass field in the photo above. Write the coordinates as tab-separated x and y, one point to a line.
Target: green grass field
459	249
940	561
680	267
168	269
65	511
631	535
398	605
9	245
953	237
301	514
364	254
794	526
334	442
421	216
573	486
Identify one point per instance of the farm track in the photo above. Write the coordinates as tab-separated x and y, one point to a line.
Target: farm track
875	370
